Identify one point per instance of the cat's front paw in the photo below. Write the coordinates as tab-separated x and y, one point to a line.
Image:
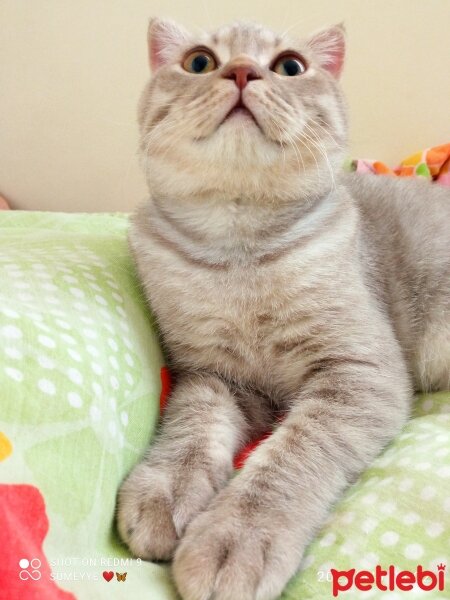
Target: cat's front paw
144	514
155	504
232	552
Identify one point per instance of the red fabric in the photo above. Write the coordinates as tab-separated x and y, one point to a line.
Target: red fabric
23	527
242	456
165	388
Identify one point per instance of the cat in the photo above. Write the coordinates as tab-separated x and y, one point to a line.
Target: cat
283	287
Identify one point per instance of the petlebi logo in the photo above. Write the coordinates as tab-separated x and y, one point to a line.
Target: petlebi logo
29	569
388	579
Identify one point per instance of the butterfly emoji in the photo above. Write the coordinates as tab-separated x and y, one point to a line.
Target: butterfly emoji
121	576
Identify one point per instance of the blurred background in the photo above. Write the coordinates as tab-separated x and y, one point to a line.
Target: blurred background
71	73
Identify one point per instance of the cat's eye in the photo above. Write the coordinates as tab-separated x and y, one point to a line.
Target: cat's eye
199	61
289	65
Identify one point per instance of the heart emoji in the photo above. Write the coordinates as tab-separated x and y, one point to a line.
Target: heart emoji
108	575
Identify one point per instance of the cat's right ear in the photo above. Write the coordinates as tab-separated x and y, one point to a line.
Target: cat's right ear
329	48
164	37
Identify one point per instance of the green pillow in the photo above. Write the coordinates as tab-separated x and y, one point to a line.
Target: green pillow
79	389
398	513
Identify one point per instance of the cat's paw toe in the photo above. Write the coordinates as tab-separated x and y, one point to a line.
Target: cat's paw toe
144	515
226	559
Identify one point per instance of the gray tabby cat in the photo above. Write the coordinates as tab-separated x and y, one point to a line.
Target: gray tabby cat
281	286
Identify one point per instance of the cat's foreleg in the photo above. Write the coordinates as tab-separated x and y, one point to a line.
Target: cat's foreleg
189	462
251	539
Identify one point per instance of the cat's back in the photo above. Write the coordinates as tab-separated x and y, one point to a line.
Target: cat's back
405	226
413	214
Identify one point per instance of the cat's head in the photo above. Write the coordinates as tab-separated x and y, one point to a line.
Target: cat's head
242	111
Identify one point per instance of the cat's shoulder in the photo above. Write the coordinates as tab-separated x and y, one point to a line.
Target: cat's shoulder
409	196
412	213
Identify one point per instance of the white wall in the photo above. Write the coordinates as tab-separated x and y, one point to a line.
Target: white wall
71	72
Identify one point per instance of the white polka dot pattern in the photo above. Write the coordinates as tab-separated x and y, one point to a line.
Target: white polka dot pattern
65	302
79	376
398	513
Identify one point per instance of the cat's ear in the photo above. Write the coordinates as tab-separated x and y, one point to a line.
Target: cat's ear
164	37
328	46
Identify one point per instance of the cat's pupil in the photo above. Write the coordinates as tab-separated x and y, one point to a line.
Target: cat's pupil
291	67
199	63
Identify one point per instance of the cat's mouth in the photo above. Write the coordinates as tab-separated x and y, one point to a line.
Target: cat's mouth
240	110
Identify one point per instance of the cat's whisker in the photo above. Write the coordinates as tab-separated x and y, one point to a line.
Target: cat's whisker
321	149
304	141
304	20
325	131
281	139
298	154
179	110
183	110
317	142
158	131
180	133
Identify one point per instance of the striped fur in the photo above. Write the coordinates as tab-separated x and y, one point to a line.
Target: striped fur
281	286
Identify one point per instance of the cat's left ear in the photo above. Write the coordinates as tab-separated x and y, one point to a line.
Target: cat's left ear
328	46
164	38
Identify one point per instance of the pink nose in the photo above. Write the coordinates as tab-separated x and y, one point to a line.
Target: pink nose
241	74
